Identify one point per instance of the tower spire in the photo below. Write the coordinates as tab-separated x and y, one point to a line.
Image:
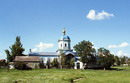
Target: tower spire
64	31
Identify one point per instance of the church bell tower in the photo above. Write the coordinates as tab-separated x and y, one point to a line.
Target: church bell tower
64	43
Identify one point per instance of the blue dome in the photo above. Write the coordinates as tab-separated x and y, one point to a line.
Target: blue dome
64	37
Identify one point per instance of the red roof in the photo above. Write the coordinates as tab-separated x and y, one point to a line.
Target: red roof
2	60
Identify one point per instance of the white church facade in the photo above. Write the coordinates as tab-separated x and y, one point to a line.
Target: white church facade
64	46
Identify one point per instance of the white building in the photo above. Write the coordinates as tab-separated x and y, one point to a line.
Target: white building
64	46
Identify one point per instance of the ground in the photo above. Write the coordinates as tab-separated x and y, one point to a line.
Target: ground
121	75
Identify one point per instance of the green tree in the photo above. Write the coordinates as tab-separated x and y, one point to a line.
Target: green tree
72	63
123	59
129	61
106	59
48	64
42	65
55	63
67	61
117	60
63	60
15	50
86	51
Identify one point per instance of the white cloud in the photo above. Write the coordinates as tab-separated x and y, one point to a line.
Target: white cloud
92	15
121	53
34	50
42	46
123	44
112	46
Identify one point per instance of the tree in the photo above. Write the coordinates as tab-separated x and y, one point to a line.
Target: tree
55	63
63	60
86	51
117	60
15	50
106	59
72	63
124	59
67	61
48	64
129	61
20	65
42	65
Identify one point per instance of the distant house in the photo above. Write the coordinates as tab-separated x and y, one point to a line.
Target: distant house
31	61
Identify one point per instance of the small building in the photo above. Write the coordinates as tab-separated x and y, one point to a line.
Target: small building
30	61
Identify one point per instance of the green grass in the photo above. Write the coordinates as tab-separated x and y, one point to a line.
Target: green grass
65	75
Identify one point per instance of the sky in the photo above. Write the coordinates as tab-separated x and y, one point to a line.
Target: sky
105	23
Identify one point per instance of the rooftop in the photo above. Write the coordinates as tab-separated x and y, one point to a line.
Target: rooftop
27	58
43	53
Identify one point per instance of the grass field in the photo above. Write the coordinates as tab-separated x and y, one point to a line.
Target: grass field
122	75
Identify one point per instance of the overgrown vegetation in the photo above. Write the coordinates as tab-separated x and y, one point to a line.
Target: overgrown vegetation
21	66
67	62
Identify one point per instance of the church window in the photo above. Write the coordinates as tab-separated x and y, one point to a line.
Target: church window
61	45
65	45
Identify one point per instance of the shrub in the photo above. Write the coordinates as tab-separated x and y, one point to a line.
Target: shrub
21	66
48	64
3	63
55	63
42	65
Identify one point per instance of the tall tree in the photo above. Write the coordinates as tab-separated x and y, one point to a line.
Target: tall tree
117	60
106	59
86	51
55	63
48	64
15	50
123	59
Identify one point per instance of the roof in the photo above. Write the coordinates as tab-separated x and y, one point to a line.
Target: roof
2	60
72	53
65	37
43	54
27	58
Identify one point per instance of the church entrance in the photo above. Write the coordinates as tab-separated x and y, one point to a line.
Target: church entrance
78	65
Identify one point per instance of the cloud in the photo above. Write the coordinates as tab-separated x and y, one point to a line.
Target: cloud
121	53
123	44
112	46
42	46
92	15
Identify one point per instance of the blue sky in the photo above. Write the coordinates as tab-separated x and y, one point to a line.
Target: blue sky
42	21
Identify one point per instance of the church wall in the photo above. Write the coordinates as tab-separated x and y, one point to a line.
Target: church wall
45	58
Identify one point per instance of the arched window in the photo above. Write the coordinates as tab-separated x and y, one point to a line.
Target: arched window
61	45
65	45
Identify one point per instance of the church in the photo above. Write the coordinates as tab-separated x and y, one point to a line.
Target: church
64	46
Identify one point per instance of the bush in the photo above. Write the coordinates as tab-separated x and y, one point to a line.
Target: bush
3	63
48	64
21	66
42	65
55	63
